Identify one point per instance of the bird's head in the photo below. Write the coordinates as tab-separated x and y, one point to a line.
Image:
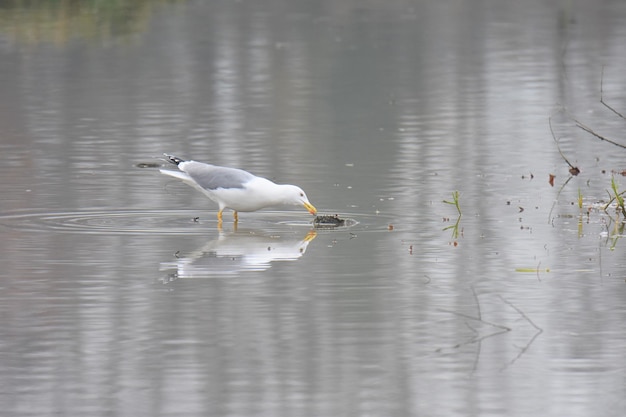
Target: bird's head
296	196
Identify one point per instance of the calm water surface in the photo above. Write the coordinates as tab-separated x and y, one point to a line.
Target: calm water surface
120	296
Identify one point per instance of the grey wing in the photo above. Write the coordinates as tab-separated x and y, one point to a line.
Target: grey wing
211	177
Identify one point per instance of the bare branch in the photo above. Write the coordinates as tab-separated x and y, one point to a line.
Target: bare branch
521	313
532	340
602	97
477	303
558	194
589	130
467	316
573	168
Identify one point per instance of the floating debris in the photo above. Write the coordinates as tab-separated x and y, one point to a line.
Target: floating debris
329	221
531	270
148	165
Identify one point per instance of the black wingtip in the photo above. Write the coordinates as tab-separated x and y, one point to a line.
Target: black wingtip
173	159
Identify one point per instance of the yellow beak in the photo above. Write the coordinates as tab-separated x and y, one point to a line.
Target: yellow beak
310	236
310	208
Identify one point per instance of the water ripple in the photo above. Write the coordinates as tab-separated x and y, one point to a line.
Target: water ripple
112	221
140	222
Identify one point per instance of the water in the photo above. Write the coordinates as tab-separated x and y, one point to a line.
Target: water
120	296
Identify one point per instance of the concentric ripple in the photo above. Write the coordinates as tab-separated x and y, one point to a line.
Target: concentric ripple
140	222
113	221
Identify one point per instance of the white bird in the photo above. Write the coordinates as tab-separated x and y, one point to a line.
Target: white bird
236	189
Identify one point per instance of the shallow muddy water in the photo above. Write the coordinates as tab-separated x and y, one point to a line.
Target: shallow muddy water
120	295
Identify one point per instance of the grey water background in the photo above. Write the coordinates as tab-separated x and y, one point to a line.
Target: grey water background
120	297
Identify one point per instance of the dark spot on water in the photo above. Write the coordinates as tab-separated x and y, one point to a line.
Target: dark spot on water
329	221
148	165
551	180
574	171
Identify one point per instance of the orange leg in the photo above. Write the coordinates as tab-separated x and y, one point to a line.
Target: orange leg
236	216
219	216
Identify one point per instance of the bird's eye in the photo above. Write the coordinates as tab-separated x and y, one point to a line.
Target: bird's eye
301	194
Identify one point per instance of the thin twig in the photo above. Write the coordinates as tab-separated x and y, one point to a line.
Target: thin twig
480	339
477	302
467	316
521	313
524	349
471	328
550	219
475	340
532	340
557	145
602	96
589	130
538	277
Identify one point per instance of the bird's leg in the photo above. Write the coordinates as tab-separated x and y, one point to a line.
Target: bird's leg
219	216
235	216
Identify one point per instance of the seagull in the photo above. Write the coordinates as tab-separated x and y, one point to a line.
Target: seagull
236	189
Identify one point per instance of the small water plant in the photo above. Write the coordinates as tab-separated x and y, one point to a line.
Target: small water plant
455	226
580	199
455	201
617	196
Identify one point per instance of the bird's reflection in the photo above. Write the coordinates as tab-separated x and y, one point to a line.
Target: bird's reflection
236	252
